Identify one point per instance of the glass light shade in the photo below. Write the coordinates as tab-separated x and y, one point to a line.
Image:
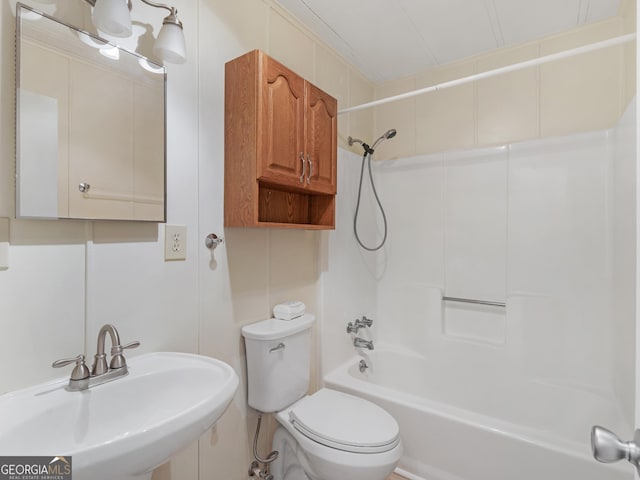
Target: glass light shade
170	45
112	17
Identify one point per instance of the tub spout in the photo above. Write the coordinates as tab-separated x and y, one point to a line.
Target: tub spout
362	343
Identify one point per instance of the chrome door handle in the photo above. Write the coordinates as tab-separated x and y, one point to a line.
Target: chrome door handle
304	167
608	448
310	169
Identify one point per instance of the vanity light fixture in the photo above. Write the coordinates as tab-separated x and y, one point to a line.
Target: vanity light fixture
114	17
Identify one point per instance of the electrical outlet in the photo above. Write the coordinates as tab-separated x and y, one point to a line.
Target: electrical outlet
175	242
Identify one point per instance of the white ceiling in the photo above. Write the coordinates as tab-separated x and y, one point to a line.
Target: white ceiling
389	39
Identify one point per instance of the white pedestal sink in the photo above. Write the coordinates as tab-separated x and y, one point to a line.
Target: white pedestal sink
123	429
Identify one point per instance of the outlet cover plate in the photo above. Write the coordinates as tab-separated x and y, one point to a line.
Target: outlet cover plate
175	242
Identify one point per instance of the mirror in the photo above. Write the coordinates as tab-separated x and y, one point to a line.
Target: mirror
90	126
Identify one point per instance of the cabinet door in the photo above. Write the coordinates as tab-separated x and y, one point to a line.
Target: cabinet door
281	125
100	143
322	128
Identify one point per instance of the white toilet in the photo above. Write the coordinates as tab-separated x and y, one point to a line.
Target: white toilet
329	435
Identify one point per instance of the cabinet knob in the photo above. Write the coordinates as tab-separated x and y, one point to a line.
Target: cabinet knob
84	187
310	169
304	167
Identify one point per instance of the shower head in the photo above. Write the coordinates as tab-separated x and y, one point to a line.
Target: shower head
388	134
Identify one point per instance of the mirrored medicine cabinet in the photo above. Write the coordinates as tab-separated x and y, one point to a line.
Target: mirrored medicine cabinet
90	125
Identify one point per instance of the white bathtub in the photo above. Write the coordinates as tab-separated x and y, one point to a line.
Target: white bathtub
457	426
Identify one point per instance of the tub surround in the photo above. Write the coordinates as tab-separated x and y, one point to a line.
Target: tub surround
539	225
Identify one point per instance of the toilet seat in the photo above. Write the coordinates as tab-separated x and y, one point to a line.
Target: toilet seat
345	422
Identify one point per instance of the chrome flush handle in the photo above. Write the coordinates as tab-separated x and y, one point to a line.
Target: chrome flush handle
280	346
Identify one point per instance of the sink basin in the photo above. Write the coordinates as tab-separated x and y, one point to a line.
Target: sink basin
123	429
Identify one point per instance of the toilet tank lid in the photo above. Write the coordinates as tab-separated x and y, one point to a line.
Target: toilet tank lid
274	328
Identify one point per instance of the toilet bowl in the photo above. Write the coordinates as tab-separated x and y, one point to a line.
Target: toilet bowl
333	435
328	435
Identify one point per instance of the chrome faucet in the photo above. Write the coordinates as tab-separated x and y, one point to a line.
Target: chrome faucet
117	358
82	379
359	323
362	343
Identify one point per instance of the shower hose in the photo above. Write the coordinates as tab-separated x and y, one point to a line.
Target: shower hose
366	158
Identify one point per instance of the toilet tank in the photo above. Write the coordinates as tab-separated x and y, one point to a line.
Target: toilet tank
278	361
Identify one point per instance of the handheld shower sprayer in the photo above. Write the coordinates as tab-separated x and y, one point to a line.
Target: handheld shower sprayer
388	134
368	152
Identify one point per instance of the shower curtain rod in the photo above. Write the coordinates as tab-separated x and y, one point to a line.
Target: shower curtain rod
498	71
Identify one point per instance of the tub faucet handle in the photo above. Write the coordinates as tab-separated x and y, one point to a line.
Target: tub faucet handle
351	328
367	322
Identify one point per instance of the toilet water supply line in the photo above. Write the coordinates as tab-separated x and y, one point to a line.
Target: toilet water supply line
254	468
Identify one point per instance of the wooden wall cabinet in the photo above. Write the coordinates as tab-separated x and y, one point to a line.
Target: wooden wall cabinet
280	147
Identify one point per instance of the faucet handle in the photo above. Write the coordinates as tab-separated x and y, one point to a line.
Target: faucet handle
366	321
79	372
351	328
117	358
118	348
